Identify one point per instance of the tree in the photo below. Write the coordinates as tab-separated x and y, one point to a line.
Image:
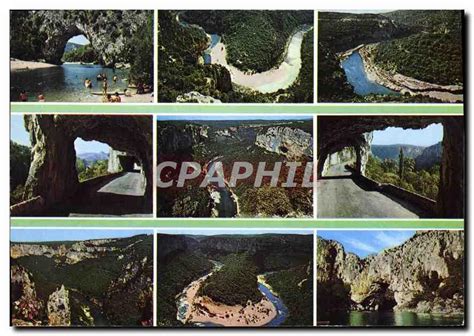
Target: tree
401	163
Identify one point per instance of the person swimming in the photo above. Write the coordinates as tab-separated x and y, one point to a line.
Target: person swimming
117	98
88	83
115	78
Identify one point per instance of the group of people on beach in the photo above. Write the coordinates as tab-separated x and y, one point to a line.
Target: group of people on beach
106	96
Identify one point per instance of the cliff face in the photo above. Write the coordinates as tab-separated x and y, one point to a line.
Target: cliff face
174	139
109	32
425	274
73	254
429	156
290	142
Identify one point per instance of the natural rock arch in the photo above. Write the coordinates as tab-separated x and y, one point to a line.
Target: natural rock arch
108	31
53	174
335	133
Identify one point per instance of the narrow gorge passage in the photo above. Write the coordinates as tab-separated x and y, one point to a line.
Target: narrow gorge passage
339	196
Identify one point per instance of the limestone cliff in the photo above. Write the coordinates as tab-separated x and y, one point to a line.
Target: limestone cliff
108	31
174	139
58	308
290	142
424	274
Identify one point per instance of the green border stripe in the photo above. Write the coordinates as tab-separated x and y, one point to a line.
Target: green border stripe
240	223
263	108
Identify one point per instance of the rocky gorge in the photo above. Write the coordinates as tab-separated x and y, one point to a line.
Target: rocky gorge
425	275
100	282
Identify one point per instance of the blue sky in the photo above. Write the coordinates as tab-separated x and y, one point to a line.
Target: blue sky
79	39
82	146
21	136
39	235
18	131
212	232
367	242
421	137
235	117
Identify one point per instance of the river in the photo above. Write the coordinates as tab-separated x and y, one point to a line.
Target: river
65	83
405	319
356	76
183	305
225	203
280	77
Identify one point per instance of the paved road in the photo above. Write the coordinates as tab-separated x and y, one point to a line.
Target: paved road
340	197
130	184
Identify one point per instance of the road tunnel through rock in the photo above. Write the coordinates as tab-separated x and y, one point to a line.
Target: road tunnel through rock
53	175
337	133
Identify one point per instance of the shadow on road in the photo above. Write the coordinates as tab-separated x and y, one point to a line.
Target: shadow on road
90	201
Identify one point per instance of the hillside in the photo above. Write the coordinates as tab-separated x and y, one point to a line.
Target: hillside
429	157
183	259
233	141
255	41
102	282
424	45
393	151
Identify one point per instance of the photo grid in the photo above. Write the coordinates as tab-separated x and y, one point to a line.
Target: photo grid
237	168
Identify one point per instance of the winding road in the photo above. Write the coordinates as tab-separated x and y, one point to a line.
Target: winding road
339	196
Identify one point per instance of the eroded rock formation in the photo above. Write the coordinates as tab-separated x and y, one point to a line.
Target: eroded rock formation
108	32
58	308
53	175
336	133
424	274
290	142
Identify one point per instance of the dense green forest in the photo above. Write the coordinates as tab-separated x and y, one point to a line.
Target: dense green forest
85	54
180	54
235	283
295	287
175	271
140	53
20	159
98	168
255	40
424	181
183	259
435	57
425	45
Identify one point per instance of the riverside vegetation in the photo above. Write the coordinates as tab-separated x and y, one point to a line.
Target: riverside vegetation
284	260
425	45
256	41
102	282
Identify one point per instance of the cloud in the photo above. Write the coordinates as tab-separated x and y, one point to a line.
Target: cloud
392	238
361	246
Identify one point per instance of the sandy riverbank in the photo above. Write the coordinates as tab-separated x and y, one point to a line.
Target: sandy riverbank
404	84
19	65
271	80
203	309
